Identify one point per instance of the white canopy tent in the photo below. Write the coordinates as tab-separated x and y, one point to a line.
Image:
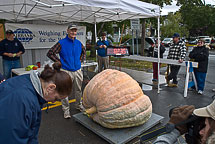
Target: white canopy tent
67	11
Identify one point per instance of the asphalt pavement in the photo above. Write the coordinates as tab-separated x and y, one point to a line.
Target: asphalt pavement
57	130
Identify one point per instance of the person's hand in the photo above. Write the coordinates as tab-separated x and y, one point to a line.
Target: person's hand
18	54
105	46
10	55
101	46
180	60
180	114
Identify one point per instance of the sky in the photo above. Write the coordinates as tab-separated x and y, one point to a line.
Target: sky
174	8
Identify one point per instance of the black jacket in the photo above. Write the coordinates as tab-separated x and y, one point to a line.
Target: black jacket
200	55
8	46
153	52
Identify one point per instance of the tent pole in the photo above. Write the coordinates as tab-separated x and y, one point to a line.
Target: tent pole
158	54
95	34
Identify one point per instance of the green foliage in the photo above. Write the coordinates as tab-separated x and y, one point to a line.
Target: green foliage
197	17
125	38
173	23
158	2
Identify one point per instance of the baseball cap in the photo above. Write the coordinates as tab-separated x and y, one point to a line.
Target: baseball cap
72	26
208	111
9	32
175	35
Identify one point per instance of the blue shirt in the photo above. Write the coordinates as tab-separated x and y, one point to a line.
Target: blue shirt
102	51
70	54
20	111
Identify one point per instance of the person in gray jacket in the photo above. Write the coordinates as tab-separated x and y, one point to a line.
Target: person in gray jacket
207	133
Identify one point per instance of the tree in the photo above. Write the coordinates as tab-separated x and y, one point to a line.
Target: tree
197	17
157	2
173	23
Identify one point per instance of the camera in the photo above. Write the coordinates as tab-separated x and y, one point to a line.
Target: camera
194	124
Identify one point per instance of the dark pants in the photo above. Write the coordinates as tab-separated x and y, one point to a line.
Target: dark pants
200	79
174	69
155	70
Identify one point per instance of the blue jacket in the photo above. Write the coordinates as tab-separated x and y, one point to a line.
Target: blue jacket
20	111
8	46
102	51
70	54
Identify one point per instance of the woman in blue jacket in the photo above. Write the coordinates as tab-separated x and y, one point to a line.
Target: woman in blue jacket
21	100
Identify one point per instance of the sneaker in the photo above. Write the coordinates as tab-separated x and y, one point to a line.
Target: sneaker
172	85
67	115
80	107
213	90
200	92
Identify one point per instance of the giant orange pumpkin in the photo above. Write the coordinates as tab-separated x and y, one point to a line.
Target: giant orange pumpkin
115	100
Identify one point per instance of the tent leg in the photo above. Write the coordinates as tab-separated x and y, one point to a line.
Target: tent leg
95	40
159	54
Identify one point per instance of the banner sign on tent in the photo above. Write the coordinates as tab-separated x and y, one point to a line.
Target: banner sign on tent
35	36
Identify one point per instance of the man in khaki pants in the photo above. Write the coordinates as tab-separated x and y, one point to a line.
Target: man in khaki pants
71	51
103	59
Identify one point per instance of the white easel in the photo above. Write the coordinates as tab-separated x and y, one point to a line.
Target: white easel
189	69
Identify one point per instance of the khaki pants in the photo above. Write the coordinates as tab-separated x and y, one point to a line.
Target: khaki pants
77	78
103	61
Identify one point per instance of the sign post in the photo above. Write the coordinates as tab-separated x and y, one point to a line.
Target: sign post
135	26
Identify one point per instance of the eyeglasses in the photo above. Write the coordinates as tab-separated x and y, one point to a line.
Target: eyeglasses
199	42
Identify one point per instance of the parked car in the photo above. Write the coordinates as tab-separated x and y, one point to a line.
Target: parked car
191	42
202	37
128	43
167	41
207	42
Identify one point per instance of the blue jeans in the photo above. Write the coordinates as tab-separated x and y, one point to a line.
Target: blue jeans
200	79
8	65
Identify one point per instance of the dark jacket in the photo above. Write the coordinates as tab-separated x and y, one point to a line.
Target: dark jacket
200	55
153	52
20	110
8	46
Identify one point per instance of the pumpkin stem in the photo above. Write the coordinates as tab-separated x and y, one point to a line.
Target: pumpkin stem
91	110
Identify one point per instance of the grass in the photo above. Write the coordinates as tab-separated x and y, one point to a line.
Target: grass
128	63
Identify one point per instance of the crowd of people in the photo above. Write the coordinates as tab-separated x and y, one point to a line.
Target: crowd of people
20	123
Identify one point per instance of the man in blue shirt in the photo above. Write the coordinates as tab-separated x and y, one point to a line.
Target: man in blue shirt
71	51
103	59
10	49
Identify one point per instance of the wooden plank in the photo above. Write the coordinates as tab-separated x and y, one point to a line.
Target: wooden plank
166	61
